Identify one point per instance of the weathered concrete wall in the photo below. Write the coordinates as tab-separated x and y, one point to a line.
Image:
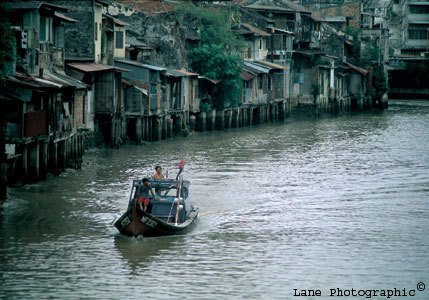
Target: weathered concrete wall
79	42
162	33
351	10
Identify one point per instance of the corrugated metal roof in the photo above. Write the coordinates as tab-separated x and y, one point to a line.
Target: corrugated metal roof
246	75
418	21
94	67
133	41
64	18
280	30
208	79
254	29
357	69
271	65
137	85
33	5
119	22
21	94
135	63
33	82
180	73
48	82
23	5
64	80
333	18
256	68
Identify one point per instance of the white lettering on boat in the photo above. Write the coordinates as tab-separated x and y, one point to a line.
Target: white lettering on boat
148	222
125	222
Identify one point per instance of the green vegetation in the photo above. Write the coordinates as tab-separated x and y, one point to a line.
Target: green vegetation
7	44
368	56
371	59
217	57
355	33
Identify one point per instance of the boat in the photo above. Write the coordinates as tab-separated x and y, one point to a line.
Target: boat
170	211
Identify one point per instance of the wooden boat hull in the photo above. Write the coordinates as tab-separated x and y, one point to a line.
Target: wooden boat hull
133	223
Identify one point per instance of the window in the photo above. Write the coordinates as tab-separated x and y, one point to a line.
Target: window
45	29
419	9
119	39
411	52
418	31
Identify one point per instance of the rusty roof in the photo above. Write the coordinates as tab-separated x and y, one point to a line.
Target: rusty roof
94	67
64	18
63	80
279	6
246	75
254	30
150	6
357	69
271	65
180	73
214	81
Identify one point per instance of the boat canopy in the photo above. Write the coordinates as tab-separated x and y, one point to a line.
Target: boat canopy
164	183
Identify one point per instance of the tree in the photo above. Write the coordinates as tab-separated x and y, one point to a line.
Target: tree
7	44
370	58
217	57
213	62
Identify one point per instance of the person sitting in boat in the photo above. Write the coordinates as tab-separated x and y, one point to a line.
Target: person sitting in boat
142	195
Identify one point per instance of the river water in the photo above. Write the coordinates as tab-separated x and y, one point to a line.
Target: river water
309	204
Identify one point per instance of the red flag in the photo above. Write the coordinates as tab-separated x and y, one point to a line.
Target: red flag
181	164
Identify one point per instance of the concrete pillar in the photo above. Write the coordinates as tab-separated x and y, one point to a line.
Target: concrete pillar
139	131
201	121
211	118
219	120
227	119
193	122
245	117
3	176
71	154
169	127
265	113
146	129
3	160
256	115
235	118
282	113
53	157
157	128
249	116
44	159
33	162
178	125
24	166
164	128
62	155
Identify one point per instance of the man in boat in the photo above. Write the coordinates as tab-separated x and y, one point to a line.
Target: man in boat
142	195
158	173
158	176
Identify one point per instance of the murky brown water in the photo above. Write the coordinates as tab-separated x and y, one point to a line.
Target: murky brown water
339	202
